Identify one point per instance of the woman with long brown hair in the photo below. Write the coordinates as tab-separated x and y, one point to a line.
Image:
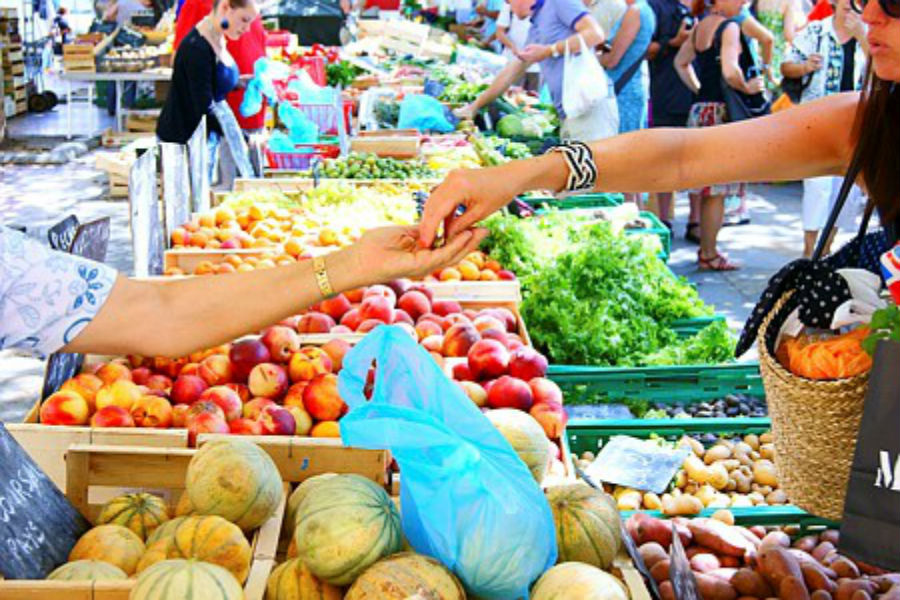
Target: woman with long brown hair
819	138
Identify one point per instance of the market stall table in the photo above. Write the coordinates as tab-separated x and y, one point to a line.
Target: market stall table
118	79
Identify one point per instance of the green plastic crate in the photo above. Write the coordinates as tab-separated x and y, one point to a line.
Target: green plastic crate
671	385
686	328
656	228
765	516
575	202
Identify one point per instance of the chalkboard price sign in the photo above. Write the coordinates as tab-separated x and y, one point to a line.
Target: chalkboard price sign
62	234
60	367
38	525
92	240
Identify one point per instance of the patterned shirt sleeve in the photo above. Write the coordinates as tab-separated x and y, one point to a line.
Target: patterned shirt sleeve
46	297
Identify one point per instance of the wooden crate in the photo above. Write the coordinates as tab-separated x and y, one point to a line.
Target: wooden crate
91	470
296	183
142	122
187	259
388	146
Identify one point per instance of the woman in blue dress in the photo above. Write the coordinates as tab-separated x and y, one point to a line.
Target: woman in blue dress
631	37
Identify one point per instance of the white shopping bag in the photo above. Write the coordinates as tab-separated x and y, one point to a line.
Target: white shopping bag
584	81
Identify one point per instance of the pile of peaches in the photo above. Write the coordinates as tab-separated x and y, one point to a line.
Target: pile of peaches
266	385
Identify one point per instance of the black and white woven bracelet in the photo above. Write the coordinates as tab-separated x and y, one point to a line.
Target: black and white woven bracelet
582	168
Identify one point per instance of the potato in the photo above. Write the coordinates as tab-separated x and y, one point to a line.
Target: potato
744	484
844	567
792	588
704	563
713	588
816	579
741	501
756	498
777	497
693	444
752	440
696	469
748	582
681	479
732	485
652	501
777	563
821	551
718	476
630	500
682	505
726	516
767	451
691	488
660	571
767	438
716	453
743	448
705	494
746	459
764	473
776	539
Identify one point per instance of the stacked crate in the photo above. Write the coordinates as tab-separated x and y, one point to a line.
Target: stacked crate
12	60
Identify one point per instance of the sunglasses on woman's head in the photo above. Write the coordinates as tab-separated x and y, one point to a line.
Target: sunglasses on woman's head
890	7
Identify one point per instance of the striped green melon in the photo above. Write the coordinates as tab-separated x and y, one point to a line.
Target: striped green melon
210	539
180	579
344	525
236	480
578	581
114	544
164	530
297	497
587	523
141	513
293	581
87	570
406	575
527	438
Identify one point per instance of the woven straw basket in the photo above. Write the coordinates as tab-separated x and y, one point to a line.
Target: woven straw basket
815	425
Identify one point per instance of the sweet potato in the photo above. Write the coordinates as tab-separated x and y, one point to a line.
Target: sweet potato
748	582
792	588
684	532
775	539
820	595
660	571
807	560
650	529
697	549
631	527
666	591
844	567
720	537
860	595
847	587
868	569
713	588
749	536
652	553
832	536
725	574
822	550
758	530
816	579
732	562
777	563
886	582
892	594
807	543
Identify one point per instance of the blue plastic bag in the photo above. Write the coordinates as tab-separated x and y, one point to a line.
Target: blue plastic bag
418	111
466	498
252	102
300	128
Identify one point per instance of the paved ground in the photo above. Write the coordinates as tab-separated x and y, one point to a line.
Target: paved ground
41	196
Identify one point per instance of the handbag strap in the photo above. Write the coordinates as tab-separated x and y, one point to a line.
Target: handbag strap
847	185
629	73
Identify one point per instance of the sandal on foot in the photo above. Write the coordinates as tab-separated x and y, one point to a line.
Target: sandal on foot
668	224
719	262
690	233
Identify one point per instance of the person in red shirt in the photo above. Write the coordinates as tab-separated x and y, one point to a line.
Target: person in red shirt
821	11
245	51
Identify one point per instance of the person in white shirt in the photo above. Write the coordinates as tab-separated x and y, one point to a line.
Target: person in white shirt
512	33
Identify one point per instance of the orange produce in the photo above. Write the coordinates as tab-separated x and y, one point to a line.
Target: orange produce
837	357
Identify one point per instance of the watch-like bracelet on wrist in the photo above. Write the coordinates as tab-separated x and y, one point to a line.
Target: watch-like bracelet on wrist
321	274
582	168
553	51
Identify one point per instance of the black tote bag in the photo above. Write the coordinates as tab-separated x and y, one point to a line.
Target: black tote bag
741	106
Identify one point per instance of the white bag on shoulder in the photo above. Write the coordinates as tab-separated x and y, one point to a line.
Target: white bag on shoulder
584	81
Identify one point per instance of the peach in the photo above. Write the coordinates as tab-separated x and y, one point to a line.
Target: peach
343	329
216	369
418	287
112	416
192	368
428	328
187	389
456	319
226	399
168	366
468	270
242	390
245	427
335	307
85	385
321	398
498	335
483	322
433	343
488	359
415	303
505	275
290	322
504	315
302	420
205	423
492	265
369	324
382	291
308	363
545	390
352	319
245	355
450	274
514	344
355	296
315	323
140	375
527	363
459	339
122	393
281	342
509	392
470	313
552	417
179	415
336	350
277	420
268	380
65	407
488	276
152	411
401	316
461	372
399	286
376	307
326	429
254	407
204	406
113	371
442	308
475	392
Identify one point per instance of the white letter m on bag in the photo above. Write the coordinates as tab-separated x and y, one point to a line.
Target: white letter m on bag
888	476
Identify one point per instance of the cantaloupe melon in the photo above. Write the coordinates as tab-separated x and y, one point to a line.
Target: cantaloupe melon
87	570
141	513
292	580
297	497
164	530
406	575
114	544
527	438
587	524
578	581
180	579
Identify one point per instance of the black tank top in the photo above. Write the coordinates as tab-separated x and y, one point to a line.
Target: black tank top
709	72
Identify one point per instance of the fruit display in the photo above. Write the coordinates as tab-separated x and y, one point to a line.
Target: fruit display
587	525
186	579
292	580
371	166
730	561
87	570
527	438
729	473
113	544
403	575
578	581
142	513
